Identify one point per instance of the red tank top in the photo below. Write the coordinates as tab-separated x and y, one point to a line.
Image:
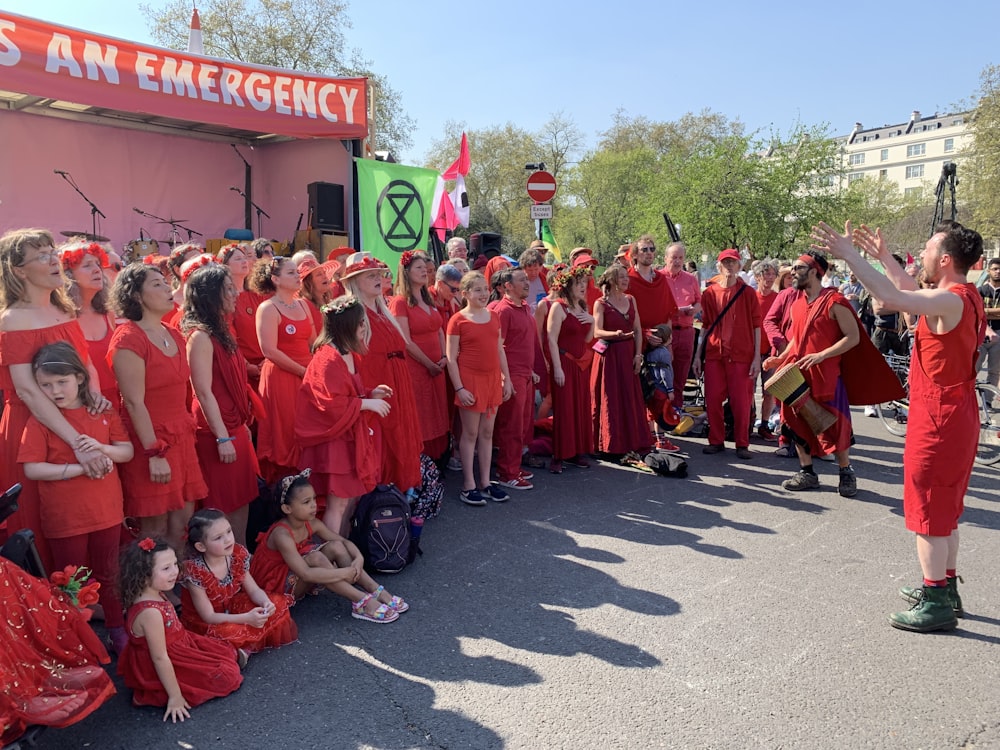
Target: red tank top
950	358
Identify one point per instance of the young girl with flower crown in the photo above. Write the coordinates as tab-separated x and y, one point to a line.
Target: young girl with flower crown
477	366
164	663
221	598
84	515
299	553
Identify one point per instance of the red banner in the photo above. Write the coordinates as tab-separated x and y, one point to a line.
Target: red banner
57	62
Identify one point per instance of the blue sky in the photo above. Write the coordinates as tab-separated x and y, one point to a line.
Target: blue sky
770	64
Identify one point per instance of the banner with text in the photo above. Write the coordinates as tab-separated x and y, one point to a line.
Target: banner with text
394	203
57	62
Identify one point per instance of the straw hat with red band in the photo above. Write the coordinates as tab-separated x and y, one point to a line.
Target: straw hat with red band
359	262
193	264
71	256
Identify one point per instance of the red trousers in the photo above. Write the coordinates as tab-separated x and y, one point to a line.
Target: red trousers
98	551
682	347
514	418
728	379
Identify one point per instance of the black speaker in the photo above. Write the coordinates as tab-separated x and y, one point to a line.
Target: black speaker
326	206
484	243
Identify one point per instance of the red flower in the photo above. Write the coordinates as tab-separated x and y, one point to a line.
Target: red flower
88	595
59	578
147	544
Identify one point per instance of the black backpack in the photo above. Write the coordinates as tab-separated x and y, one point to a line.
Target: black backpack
381	529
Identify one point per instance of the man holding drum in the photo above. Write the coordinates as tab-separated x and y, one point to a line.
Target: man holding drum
943	420
823	328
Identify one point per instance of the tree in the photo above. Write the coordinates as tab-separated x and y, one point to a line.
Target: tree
981	160
304	35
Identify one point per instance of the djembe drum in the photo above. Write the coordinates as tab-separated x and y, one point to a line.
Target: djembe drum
789	386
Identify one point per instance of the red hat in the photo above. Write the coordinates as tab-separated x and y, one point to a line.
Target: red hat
339	252
583	258
728	254
359	262
306	267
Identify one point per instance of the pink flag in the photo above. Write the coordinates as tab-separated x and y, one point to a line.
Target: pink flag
461	165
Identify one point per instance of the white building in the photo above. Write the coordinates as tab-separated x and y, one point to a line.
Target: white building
910	154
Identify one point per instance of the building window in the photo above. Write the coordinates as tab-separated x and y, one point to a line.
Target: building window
883	174
856	159
885	154
917	149
949	144
914	171
854	177
825	180
913	192
959	121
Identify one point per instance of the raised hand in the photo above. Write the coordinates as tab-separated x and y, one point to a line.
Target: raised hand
826	239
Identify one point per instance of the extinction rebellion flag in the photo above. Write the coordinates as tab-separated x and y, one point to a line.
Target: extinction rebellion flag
394	203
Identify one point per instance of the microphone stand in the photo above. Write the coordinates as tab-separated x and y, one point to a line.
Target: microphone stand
247	188
94	210
257	208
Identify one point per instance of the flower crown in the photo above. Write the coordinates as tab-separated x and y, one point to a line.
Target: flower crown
147	544
411	255
566	277
225	253
340	304
178	253
73	257
287	482
192	265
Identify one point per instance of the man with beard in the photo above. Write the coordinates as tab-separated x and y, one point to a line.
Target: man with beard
823	328
943	425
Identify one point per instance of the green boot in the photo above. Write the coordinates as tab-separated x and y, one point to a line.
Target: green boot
932	612
912	594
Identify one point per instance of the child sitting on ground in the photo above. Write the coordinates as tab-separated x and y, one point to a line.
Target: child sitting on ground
300	553
660	365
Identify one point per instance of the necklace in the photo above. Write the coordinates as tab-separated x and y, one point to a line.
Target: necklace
162	331
287	305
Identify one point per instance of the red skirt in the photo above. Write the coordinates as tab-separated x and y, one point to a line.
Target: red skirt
145	498
572	420
230	486
276	444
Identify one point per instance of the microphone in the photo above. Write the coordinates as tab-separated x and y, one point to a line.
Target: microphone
138	211
59	171
235	189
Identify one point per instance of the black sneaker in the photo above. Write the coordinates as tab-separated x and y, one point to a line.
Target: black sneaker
472	497
803	480
848	482
494	493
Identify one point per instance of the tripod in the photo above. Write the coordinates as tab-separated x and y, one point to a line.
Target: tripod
947	181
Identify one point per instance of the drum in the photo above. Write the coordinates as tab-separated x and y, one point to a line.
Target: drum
140	249
789	386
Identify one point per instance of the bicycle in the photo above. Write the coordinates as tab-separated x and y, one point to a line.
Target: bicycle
894	414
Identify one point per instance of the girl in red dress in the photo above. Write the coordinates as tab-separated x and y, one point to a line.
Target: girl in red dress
83	515
385	363
338	439
221	598
164	663
244	319
299	554
35	311
422	327
286	332
83	264
477	366
569	332
163	479
619	411
222	397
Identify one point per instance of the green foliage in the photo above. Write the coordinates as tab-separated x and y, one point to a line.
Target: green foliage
981	160
306	35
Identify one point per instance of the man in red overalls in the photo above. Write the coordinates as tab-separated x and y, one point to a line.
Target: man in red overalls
943	423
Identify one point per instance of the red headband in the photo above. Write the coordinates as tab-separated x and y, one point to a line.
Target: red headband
74	257
811	262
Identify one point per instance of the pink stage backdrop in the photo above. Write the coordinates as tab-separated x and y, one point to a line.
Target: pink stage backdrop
170	176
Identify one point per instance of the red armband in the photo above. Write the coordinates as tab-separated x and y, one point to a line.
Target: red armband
159	450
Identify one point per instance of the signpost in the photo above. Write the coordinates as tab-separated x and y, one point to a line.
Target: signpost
541	187
541	211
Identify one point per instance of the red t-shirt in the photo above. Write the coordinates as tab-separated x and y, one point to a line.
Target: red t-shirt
732	338
520	335
78	505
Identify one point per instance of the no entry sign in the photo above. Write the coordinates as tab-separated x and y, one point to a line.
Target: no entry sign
541	187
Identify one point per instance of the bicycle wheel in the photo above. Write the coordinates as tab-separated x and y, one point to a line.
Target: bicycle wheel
894	415
988	399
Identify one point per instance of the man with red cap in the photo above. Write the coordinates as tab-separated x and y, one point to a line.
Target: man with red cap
731	342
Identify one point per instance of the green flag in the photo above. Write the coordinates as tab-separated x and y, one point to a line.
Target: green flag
394	203
549	240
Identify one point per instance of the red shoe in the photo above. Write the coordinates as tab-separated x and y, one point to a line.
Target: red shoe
526	475
662	444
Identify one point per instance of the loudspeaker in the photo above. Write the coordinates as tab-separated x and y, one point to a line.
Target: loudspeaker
484	243
326	206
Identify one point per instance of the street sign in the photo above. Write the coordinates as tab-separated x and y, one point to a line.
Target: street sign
541	187
541	211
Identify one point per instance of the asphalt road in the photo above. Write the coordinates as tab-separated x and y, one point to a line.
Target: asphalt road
608	609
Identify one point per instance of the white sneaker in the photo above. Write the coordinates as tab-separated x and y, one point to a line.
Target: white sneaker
454	464
870	411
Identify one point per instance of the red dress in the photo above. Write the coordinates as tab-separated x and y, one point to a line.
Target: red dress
227	596
276	446
233	485
166	393
432	405
205	668
479	361
618	409
340	443
99	356
269	568
401	439
49	657
19	348
244	324
573	420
